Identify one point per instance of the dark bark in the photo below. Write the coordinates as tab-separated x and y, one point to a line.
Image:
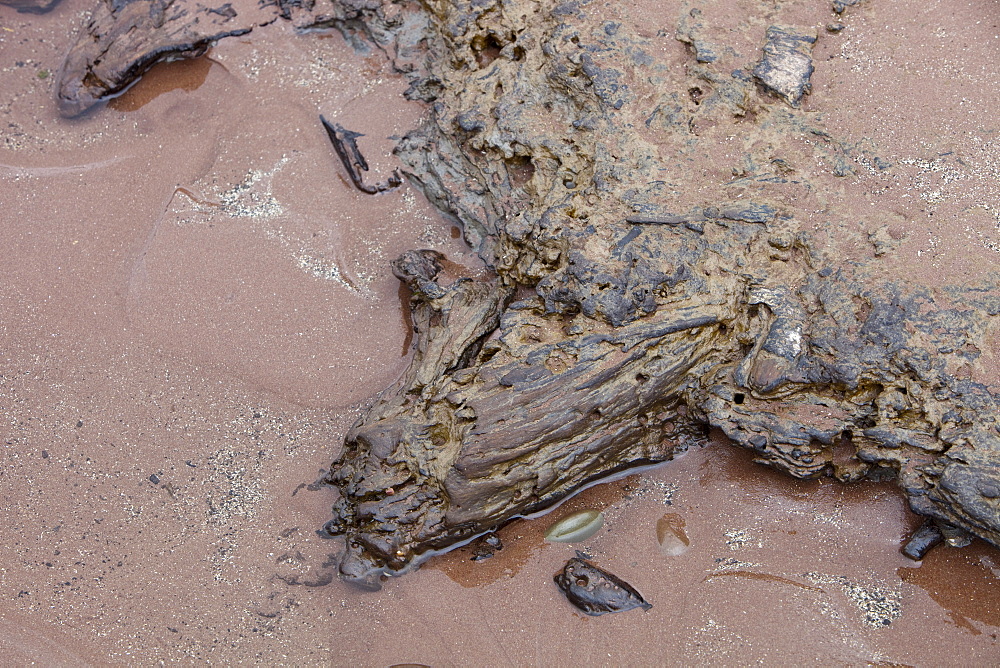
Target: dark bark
647	314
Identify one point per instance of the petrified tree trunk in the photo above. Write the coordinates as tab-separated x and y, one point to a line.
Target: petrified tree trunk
469	440
646	323
648	307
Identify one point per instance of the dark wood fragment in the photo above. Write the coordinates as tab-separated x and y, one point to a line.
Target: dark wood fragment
345	143
595	591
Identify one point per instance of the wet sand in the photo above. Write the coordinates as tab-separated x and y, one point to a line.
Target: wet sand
195	305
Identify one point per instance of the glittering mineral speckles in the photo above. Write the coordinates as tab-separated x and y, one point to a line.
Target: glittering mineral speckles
879	605
738	539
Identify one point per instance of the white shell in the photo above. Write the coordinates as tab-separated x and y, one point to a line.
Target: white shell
576	527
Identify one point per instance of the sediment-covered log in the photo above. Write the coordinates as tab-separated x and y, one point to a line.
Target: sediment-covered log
644	289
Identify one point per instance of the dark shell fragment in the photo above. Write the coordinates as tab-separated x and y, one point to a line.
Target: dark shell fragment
596	591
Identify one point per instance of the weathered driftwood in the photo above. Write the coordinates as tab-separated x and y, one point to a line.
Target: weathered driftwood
124	38
627	313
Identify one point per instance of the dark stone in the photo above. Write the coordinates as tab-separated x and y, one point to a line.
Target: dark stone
839	6
922	540
31	6
787	65
485	547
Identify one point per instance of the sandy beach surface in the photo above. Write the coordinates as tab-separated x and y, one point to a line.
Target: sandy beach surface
195	305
